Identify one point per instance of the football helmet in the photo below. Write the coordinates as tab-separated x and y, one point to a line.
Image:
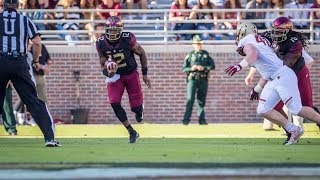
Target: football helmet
245	29
280	28
113	28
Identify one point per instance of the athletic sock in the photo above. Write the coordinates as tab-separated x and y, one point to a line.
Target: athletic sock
129	128
290	127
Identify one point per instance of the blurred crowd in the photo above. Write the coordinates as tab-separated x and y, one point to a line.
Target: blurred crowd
276	5
174	15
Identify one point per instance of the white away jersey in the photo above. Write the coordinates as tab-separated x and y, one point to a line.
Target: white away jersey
268	62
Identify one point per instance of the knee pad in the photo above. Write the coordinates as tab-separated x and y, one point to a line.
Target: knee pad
138	109
119	111
261	109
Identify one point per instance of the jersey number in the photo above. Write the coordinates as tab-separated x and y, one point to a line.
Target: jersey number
262	40
6	26
118	58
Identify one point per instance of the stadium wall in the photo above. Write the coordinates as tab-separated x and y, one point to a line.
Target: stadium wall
227	96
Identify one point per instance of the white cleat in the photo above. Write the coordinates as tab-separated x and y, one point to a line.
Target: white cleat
295	135
31	122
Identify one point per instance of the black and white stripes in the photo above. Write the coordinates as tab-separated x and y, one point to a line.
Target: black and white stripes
15	31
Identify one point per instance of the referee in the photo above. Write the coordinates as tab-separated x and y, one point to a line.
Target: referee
15	32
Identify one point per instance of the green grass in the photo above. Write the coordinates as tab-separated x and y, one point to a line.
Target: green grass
160	145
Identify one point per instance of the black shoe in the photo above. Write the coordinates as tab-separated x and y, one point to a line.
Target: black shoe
185	122
203	123
133	136
52	143
13	133
139	117
288	138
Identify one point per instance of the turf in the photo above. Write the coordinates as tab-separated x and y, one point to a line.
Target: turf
160	145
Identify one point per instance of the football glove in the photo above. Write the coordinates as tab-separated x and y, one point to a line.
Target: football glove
231	70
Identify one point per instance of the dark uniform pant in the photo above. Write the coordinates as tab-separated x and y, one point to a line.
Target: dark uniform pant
199	87
8	118
16	69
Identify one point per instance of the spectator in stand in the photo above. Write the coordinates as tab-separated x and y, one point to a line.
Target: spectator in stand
73	5
48	4
143	4
109	4
192	3
52	4
257	4
299	4
204	4
38	15
175	15
316	15
276	5
231	4
218	3
90	4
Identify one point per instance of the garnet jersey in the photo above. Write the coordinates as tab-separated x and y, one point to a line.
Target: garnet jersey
267	62
293	45
120	52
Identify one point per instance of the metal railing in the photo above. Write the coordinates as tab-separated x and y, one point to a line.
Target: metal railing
148	31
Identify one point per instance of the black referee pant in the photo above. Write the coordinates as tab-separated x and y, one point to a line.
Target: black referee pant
16	69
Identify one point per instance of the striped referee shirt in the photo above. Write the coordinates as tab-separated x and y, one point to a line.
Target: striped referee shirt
15	31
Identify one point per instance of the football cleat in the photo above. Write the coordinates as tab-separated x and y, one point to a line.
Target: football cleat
133	136
288	138
139	117
295	135
52	143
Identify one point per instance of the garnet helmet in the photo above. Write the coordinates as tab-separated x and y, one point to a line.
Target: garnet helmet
113	28
280	28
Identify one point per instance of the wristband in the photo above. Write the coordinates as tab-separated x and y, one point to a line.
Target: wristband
144	70
258	88
35	62
244	63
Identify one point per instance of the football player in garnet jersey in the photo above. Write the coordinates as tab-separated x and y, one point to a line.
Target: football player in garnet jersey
120	47
278	81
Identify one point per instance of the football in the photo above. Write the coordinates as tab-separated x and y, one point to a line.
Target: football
111	68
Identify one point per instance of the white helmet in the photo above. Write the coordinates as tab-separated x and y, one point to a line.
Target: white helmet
245	29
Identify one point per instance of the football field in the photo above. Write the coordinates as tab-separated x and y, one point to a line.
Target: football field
162	151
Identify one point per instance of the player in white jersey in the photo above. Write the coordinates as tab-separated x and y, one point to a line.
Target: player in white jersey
297	120
278	82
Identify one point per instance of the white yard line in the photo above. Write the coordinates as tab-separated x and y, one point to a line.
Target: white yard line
92	173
